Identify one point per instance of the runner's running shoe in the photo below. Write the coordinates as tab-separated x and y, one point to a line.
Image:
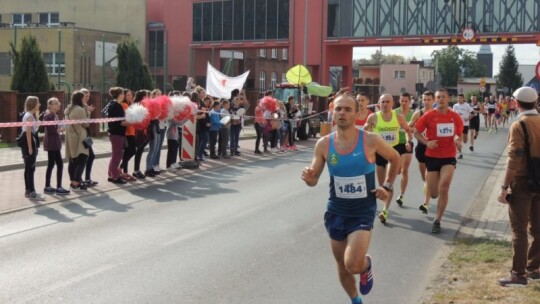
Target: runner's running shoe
366	278
423	208
399	201
436	229
383	216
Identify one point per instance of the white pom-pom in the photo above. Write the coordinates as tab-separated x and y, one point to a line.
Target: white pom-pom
179	103
136	113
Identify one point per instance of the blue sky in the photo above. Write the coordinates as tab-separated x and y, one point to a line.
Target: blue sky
525	53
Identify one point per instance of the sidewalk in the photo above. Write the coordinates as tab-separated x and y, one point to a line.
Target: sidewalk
11	172
487	218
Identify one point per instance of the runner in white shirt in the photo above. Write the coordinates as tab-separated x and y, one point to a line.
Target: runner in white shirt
465	111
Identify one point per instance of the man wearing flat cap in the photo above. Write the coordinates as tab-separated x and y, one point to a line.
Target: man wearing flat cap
522	199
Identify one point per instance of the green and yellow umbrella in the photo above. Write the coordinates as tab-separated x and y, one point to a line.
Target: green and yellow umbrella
298	75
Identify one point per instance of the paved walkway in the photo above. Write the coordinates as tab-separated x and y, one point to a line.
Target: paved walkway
487	218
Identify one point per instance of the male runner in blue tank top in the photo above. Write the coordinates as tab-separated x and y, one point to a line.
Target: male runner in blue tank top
349	154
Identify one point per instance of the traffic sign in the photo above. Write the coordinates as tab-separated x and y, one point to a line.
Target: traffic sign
482	89
468	34
482	82
538	70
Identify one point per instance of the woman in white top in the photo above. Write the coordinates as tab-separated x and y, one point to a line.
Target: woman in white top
29	148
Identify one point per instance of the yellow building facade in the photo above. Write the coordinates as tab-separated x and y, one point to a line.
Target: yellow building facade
72	36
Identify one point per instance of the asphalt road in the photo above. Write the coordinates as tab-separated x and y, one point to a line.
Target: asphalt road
251	233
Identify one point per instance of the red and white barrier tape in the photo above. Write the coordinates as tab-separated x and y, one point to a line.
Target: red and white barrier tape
57	122
100	120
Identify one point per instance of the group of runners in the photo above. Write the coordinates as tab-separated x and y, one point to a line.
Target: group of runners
366	144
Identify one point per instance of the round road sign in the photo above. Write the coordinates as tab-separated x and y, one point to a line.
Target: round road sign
468	34
482	89
538	70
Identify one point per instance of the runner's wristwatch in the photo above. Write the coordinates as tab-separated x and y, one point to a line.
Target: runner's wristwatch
388	187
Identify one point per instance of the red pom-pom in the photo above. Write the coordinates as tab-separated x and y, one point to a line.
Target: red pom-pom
269	104
164	104
153	107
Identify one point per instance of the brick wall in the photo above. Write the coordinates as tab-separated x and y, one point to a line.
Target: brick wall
8	104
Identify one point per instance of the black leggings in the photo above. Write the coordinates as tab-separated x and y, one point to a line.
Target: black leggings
129	152
29	169
172	151
76	167
54	157
259	131
89	163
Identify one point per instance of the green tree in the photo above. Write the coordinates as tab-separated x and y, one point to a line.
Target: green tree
29	73
378	58
454	62
132	72
509	76
471	66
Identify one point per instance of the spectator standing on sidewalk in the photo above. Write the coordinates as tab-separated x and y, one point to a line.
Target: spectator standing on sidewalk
91	156
237	103
162	128
141	138
203	127
52	143
76	152
129	146
215	125
292	110
225	130
522	199
259	124
29	148
117	135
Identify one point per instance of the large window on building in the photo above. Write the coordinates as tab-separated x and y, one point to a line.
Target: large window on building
5	63
21	19
271	19
237	20
262	81
227	20
273	80
49	19
238	17
155	48
217	21
207	26
55	63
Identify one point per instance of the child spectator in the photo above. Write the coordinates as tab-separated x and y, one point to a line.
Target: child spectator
52	143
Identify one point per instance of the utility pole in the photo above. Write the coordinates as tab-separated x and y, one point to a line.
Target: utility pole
103	64
58	57
305	34
165	61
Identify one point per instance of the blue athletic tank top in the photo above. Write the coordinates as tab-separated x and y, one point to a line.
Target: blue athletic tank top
352	177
